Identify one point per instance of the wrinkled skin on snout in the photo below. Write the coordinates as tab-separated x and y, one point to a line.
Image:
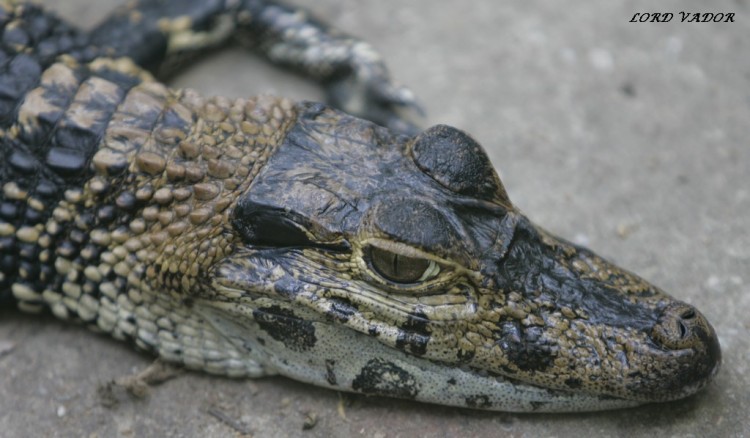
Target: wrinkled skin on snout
397	266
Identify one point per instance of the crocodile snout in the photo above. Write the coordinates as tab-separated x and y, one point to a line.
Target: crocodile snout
682	330
681	326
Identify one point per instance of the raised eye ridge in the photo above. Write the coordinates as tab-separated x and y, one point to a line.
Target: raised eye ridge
456	161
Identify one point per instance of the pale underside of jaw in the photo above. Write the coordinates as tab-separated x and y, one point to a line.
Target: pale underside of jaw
500	394
346	360
394	373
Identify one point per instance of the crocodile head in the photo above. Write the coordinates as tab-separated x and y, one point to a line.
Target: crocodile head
395	265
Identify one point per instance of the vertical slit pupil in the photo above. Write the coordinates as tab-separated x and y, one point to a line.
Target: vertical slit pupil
396	267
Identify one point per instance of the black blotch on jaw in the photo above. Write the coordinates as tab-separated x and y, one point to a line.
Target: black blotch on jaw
524	347
573	383
284	326
414	336
331	372
380	377
479	401
465	356
341	309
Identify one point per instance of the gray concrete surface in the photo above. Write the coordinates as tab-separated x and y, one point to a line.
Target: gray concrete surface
630	138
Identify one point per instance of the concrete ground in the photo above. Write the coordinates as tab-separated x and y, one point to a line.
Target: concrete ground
628	137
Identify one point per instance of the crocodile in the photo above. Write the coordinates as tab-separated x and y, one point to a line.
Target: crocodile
336	244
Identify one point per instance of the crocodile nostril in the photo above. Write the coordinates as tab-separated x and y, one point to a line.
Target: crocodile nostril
683	330
688	314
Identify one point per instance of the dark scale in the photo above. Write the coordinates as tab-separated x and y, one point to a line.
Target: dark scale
67	249
85	221
90	253
21	161
9	211
19	75
46	273
8	262
28	251
47	190
106	214
33	216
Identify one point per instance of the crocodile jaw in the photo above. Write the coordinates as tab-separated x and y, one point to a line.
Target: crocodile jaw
346	360
315	338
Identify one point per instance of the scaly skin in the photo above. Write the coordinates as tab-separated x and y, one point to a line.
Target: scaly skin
257	236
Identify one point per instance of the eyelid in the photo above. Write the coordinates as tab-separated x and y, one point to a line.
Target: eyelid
401	249
432	271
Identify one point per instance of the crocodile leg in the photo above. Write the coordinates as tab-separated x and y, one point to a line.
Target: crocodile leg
163	36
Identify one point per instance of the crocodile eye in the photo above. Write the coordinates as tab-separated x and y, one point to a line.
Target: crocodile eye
400	268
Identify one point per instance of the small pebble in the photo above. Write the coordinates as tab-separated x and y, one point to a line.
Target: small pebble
6	347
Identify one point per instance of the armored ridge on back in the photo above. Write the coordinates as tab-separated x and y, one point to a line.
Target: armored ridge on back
250	237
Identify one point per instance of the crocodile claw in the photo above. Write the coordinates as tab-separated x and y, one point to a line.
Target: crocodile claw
367	92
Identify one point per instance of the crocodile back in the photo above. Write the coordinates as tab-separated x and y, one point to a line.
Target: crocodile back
54	109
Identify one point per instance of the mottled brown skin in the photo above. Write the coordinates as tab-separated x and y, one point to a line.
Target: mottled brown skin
257	236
